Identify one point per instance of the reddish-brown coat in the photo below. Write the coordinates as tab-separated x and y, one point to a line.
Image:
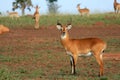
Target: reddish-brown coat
116	6
79	47
36	17
83	11
3	29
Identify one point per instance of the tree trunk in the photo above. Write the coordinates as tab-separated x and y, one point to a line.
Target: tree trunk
23	11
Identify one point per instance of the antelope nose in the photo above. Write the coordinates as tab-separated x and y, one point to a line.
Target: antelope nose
63	33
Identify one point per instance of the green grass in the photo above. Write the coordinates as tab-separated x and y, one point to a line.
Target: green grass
16	22
7	74
50	20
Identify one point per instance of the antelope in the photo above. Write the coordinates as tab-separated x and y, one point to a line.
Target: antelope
81	47
3	29
36	17
116	6
13	14
83	11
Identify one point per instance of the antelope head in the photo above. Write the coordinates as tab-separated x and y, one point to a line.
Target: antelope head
78	5
64	29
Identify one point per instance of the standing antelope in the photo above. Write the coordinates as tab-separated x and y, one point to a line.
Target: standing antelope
116	6
81	47
36	17
13	14
83	11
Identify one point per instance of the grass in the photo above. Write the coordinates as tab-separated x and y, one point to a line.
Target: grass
113	45
26	59
50	20
50	64
6	74
16	22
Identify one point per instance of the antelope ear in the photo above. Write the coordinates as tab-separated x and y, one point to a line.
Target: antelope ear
59	26
69	26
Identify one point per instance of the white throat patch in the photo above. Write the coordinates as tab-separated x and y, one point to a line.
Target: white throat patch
63	37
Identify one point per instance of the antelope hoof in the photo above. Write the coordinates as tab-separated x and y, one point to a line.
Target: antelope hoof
100	75
73	73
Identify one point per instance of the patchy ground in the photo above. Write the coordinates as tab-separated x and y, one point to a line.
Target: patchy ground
20	42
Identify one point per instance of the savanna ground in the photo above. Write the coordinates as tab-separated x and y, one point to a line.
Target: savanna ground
29	54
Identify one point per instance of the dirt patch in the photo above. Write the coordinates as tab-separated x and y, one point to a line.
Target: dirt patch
52	34
98	24
112	56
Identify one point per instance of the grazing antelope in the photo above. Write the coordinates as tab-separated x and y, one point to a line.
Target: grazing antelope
13	14
36	17
81	47
116	6
83	11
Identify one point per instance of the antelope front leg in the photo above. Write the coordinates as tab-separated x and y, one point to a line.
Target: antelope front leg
72	65
73	60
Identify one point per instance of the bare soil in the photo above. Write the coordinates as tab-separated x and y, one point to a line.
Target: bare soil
51	33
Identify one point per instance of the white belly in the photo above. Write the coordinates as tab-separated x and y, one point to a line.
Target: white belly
69	53
88	54
81	55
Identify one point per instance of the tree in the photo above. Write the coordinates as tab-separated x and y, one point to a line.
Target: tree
22	4
52	6
51	1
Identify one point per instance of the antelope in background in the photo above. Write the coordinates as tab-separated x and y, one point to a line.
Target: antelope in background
13	14
116	6
83	11
36	17
81	47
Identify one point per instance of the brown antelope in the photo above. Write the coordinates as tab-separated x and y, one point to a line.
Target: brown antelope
3	29
36	17
116	6
83	11
13	14
81	47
